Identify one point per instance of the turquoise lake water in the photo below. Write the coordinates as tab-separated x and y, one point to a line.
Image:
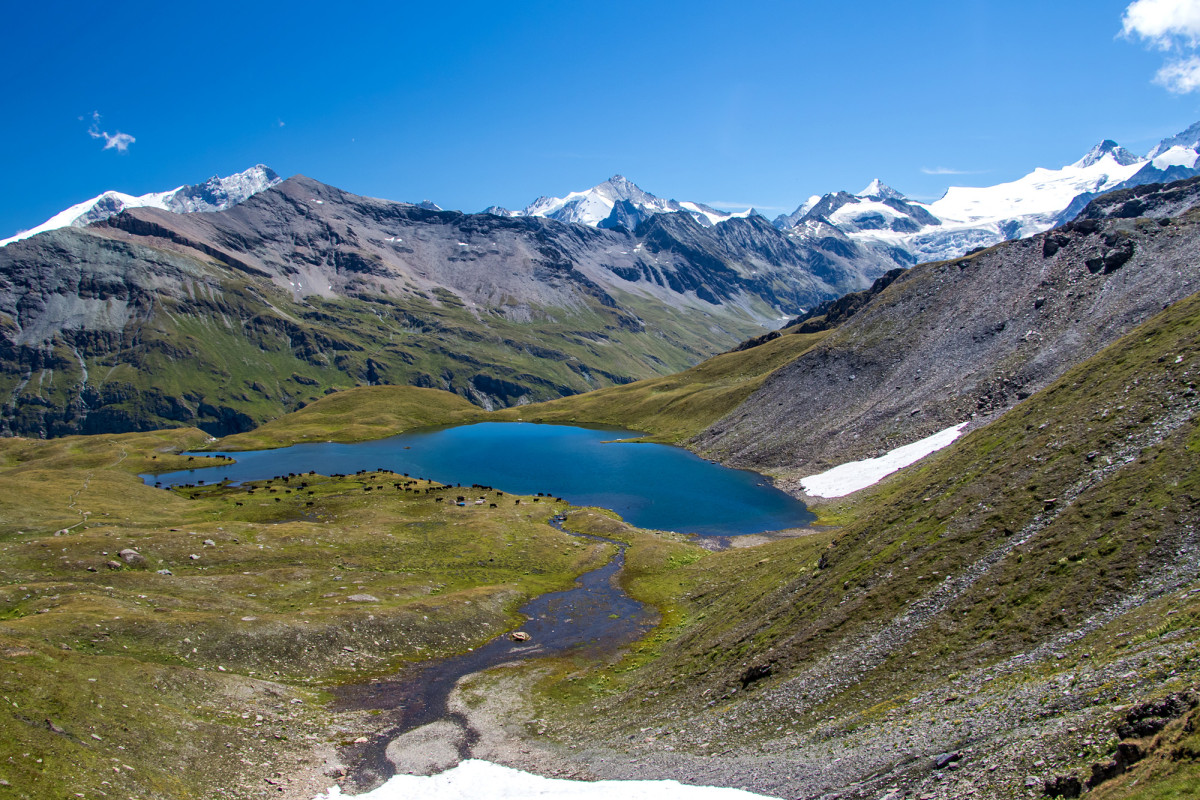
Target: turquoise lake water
650	485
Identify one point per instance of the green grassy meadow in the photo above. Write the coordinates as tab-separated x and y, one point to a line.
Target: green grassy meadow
276	590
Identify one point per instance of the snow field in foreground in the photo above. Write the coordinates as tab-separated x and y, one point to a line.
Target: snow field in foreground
848	478
482	780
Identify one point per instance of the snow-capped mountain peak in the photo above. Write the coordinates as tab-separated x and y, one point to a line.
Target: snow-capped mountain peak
881	220
595	206
215	194
881	190
1111	150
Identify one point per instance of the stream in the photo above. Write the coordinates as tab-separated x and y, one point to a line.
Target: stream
596	616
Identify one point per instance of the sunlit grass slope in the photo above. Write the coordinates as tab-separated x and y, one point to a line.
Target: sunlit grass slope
1075	511
677	407
355	415
178	666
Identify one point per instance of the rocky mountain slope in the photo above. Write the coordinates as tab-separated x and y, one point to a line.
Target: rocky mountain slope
995	623
1018	615
222	320
963	340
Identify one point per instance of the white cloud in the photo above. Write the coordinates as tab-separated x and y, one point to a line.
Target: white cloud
1173	26
117	141
1180	76
1164	23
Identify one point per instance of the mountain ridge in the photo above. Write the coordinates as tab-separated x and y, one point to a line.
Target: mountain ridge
152	318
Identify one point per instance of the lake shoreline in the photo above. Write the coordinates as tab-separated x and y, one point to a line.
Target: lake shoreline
652	486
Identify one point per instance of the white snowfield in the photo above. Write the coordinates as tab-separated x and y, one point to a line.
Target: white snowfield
848	478
88	211
1177	156
482	780
1043	192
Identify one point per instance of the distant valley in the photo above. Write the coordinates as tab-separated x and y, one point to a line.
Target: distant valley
226	319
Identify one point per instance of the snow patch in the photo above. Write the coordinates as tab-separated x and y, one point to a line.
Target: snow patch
1176	156
849	478
474	779
711	214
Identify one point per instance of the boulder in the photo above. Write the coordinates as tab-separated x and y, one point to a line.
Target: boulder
132	557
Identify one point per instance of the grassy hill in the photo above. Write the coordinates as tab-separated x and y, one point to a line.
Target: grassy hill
1011	596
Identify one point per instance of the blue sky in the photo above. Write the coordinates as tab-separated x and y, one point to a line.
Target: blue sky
468	104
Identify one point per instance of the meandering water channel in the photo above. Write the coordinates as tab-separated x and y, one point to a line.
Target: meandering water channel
595	615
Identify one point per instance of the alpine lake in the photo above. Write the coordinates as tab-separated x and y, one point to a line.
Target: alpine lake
652	486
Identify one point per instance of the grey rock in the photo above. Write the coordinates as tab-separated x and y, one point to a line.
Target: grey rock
132	557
